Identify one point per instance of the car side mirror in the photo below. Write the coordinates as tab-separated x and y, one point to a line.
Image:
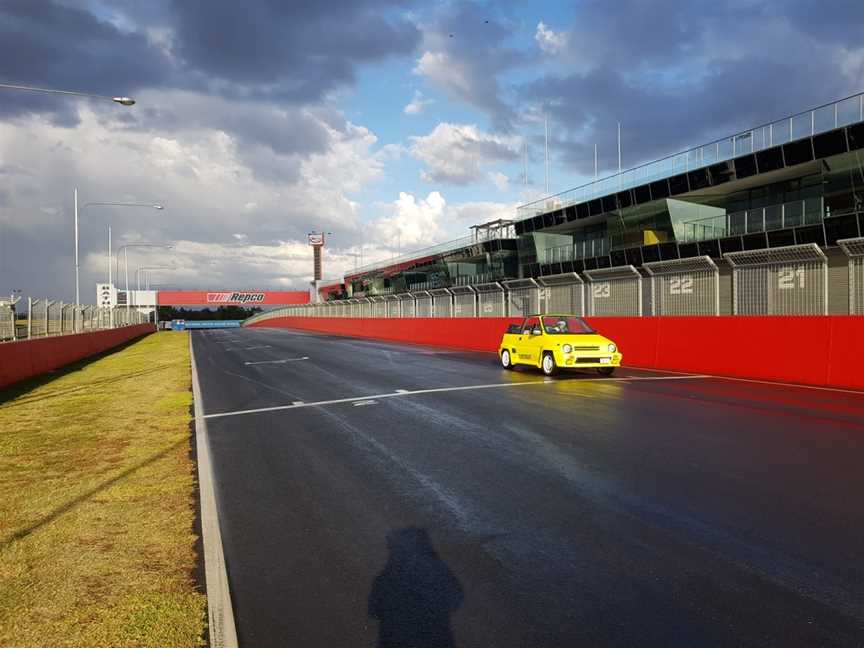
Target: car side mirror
535	332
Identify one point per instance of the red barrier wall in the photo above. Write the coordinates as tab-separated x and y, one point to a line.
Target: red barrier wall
826	351
29	358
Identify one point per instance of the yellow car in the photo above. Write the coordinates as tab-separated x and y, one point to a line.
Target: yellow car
553	342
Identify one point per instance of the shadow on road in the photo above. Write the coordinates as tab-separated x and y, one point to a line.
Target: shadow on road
414	595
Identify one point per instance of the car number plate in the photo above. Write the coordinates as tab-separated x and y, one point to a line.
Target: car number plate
605	360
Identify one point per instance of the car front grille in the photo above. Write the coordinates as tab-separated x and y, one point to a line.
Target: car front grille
586	348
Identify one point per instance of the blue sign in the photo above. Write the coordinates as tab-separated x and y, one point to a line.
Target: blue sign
182	325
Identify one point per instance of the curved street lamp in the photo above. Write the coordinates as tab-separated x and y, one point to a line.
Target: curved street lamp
101	204
123	101
125	250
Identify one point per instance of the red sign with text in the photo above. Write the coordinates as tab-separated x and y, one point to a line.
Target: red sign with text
215	298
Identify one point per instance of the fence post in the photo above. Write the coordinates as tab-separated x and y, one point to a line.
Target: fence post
29	317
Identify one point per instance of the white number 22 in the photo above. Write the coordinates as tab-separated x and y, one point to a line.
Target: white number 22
682	285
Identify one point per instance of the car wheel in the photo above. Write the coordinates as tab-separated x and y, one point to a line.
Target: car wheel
606	371
506	362
548	364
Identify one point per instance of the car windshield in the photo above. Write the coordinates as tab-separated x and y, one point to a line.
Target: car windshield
565	325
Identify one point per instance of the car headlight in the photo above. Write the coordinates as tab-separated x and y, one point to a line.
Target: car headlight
566	348
612	348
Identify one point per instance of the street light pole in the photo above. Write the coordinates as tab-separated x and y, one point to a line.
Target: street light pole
125	250
80	209
123	101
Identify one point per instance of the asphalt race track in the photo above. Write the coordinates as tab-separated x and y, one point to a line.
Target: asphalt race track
647	509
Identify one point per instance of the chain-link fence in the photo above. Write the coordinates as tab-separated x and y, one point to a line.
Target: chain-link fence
464	301
523	297
442	302
684	286
854	249
562	293
791	280
407	305
614	292
422	303
775	281
490	300
41	317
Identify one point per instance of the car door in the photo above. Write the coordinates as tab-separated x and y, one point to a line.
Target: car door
523	340
533	344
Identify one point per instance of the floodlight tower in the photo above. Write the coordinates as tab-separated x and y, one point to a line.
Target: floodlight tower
317	240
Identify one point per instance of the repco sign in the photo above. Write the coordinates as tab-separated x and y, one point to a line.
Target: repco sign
235	298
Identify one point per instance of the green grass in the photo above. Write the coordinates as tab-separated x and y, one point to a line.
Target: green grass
97	502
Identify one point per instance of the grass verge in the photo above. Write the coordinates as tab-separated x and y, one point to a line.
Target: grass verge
97	504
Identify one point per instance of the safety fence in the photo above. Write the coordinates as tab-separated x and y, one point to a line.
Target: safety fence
789	280
46	317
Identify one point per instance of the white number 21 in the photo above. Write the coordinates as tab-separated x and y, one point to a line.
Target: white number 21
786	278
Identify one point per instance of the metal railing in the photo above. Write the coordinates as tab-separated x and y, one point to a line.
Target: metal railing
789	280
45	317
805	124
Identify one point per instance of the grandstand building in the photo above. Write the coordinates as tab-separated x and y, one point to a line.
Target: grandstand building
780	204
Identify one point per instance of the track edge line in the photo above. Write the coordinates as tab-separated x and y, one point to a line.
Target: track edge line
222	629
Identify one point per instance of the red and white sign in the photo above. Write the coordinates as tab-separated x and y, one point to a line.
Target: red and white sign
232	297
316	239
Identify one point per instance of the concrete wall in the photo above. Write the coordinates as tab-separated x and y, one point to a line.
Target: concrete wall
29	358
824	351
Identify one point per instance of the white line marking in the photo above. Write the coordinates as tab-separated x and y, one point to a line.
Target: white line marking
438	390
277	361
363	403
297	403
761	382
223	632
248	348
401	391
782	384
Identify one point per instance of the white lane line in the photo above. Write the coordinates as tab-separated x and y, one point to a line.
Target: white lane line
266	346
363	403
297	402
782	384
277	361
223	632
401	391
437	390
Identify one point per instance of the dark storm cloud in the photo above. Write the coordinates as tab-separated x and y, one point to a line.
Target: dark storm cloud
294	50
265	49
482	46
682	74
45	44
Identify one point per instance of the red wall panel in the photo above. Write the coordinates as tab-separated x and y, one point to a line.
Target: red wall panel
29	358
826	351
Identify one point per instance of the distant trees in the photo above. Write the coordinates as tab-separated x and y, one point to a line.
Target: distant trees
196	314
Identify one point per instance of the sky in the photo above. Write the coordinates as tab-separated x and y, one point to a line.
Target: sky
392	124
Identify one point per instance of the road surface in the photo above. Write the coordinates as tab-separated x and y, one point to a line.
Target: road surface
375	494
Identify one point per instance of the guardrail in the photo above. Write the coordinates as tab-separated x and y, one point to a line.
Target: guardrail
805	124
790	280
45	317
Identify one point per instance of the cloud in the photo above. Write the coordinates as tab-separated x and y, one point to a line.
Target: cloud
293	51
417	104
548	40
459	153
463	54
201	175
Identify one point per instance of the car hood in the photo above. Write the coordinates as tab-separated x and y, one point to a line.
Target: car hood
582	339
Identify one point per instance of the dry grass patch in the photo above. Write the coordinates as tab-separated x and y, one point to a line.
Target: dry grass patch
97	504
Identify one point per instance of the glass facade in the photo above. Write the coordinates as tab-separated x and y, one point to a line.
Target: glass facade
804	195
